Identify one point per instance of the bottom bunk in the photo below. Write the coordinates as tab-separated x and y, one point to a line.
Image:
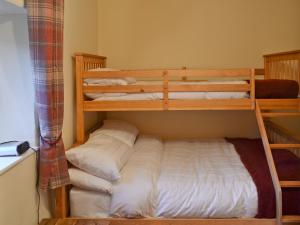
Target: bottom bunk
183	179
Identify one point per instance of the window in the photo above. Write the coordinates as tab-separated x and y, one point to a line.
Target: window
17	120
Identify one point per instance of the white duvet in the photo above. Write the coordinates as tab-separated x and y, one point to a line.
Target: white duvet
204	179
134	194
187	179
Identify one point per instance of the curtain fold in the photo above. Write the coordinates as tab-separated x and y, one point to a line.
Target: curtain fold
45	26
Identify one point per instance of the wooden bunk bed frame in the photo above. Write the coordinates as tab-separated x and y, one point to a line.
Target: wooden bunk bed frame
277	66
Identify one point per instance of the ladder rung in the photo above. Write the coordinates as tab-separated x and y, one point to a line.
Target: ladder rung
290	184
291	219
280	114
284	146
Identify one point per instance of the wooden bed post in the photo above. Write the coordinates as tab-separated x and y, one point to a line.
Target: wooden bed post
80	134
270	160
61	203
252	88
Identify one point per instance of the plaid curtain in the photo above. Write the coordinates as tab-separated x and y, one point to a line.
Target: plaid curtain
45	25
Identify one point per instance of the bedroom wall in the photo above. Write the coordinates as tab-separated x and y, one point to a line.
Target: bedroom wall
197	34
80	35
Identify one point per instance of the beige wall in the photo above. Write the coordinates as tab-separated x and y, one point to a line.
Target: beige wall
80	35
196	34
190	124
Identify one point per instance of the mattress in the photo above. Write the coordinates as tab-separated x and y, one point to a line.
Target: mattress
172	95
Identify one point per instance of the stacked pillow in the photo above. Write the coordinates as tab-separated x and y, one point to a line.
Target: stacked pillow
101	158
107	82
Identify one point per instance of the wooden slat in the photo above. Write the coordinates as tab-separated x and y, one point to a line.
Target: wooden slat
143	105
89	55
165	90
123	88
283	104
171	88
80	136
123	73
210	104
284	146
270	161
259	71
160	221
281	114
175	73
291	219
195	222
209	87
48	222
282	53
92	222
149	105
252	90
211	73
71	221
290	184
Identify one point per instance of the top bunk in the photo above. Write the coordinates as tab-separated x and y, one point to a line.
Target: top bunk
104	89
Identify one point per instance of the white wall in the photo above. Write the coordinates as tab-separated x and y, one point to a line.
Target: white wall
80	35
16	81
18	196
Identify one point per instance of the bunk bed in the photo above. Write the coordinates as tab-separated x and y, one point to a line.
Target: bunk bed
166	82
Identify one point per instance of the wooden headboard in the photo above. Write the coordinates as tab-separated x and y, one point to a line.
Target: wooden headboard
283	65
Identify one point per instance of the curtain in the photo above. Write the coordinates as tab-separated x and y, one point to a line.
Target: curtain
45	26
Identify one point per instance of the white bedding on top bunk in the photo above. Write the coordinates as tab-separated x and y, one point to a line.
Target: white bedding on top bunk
172	95
177	179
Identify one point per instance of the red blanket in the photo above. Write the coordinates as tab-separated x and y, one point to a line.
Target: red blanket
252	154
276	88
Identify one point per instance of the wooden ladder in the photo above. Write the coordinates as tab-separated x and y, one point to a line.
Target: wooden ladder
278	184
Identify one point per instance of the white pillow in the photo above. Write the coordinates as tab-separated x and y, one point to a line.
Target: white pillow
118	129
89	182
103	156
109	81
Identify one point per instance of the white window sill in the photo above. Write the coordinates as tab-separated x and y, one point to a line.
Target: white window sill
6	163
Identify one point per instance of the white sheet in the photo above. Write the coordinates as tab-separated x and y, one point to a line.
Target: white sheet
91	204
134	194
204	179
175	95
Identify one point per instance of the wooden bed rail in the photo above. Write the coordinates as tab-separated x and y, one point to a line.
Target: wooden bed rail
85	62
271	164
